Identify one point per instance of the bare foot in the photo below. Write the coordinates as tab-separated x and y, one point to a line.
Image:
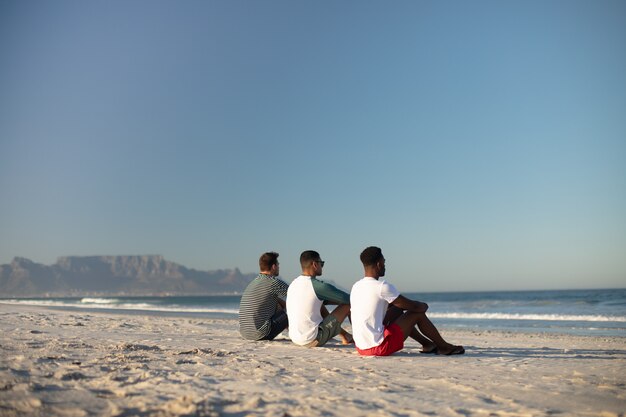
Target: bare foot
452	350
430	348
346	338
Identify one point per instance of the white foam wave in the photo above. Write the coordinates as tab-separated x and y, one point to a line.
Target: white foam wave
99	300
45	303
539	317
123	306
117	304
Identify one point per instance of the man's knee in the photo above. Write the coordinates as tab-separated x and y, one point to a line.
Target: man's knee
415	317
341	312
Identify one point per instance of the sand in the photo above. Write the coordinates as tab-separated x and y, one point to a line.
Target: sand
77	363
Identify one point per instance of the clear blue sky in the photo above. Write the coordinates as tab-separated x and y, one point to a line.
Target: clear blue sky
481	144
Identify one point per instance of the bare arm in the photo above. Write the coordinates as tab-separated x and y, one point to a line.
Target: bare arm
410	305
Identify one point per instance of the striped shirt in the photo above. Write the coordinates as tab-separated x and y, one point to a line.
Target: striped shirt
258	305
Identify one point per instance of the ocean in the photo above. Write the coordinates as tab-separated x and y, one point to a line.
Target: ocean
575	312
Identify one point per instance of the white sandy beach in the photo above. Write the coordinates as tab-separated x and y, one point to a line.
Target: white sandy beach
77	363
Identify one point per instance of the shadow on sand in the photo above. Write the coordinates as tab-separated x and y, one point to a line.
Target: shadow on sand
531	353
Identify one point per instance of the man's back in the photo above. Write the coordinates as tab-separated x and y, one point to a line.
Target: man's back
303	310
369	299
304	300
258	304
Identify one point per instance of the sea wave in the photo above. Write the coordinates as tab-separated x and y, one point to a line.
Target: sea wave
537	317
99	300
118	305
231	309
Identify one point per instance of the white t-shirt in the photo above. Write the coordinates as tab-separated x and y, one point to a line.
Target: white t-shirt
305	297
369	300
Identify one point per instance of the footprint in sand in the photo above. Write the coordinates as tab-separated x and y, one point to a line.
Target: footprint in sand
73	376
185	362
130	347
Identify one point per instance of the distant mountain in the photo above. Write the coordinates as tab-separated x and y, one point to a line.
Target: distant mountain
115	275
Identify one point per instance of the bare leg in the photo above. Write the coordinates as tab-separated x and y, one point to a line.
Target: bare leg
393	314
407	323
346	338
428	346
428	329
340	313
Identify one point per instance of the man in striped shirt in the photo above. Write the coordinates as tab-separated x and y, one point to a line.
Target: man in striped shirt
262	313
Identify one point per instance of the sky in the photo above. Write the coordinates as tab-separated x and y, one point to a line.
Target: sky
481	145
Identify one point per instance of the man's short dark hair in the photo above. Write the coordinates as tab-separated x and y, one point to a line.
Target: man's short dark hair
267	260
371	255
308	257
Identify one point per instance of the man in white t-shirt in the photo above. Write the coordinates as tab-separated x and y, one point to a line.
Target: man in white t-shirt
310	323
382	318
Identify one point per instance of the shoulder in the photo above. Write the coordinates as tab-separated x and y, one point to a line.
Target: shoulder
388	287
322	284
359	284
385	283
254	283
278	282
268	279
300	281
368	282
274	278
324	290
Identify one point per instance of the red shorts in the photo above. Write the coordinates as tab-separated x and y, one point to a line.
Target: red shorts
393	342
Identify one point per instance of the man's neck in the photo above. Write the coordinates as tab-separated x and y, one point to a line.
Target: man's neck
309	272
372	274
266	273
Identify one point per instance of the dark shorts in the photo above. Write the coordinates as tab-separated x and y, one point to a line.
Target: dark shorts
278	323
328	328
393	342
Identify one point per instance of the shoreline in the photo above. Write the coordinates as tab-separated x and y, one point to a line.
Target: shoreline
527	326
56	362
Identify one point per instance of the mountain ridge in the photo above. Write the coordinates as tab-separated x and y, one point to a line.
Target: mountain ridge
119	275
